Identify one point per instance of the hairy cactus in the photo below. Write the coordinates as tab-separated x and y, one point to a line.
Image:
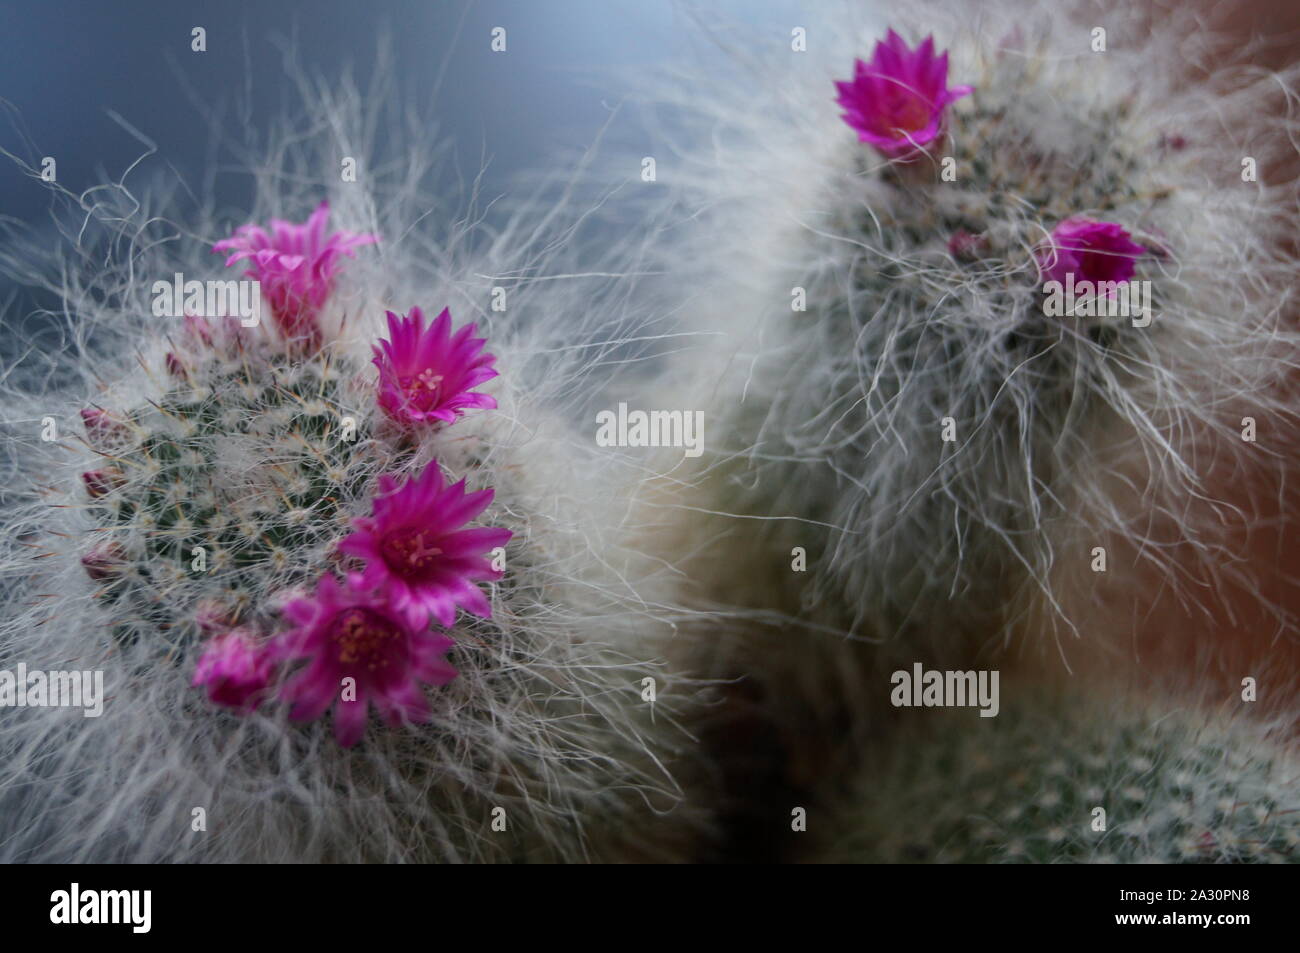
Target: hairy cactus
257	516
920	452
1072	779
979	341
248	462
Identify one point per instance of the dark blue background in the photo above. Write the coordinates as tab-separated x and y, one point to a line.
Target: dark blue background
67	65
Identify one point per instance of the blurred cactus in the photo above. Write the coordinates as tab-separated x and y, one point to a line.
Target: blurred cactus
897	402
1072	780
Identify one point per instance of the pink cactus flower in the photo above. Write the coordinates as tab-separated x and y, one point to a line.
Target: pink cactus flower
897	102
296	265
1090	251
425	374
417	550
235	670
350	631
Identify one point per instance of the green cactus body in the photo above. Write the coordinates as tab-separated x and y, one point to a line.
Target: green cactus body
235	485
1070	779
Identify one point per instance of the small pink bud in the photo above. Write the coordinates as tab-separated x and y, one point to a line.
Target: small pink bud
101	429
104	561
280	598
175	368
198	329
235	669
963	246
213	617
100	482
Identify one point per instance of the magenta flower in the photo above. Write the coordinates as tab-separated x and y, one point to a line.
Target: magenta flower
235	669
1090	251
425	374
416	549
349	631
897	101
296	265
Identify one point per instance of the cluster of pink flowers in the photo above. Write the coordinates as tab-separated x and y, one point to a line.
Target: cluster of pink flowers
421	564
898	104
369	638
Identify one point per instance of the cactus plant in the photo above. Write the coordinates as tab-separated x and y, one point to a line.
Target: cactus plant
918	450
258	537
1072	778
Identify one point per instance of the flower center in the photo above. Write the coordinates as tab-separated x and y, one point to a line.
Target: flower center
423	389
910	113
412	550
364	638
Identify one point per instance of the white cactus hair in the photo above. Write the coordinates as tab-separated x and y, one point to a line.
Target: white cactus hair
1068	436
546	719
823	443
